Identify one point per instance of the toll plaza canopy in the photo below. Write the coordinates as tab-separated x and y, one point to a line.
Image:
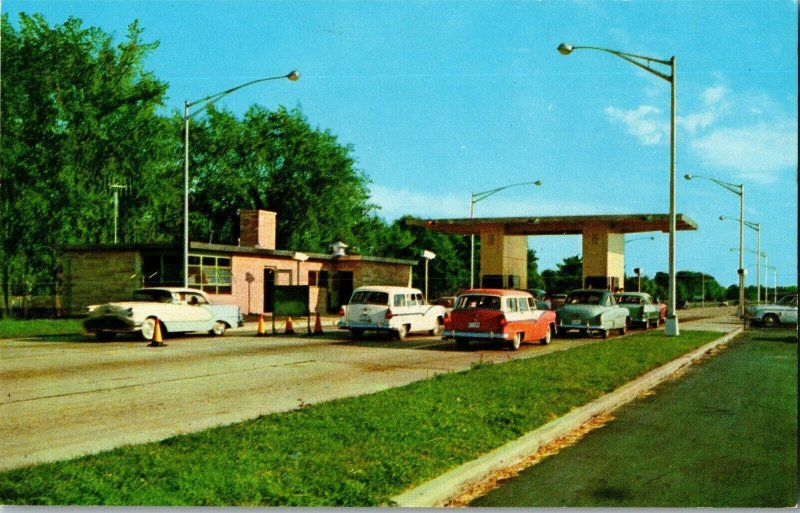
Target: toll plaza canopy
503	257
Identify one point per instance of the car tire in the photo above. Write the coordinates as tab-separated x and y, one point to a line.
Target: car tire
623	329
462	343
515	342
548	335
770	321
401	332
219	329
437	328
604	333
356	334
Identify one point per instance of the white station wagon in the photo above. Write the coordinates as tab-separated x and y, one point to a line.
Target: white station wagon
401	310
178	309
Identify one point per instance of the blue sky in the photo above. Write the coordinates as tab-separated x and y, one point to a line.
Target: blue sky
441	99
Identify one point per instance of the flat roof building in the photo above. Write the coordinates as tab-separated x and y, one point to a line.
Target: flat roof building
245	274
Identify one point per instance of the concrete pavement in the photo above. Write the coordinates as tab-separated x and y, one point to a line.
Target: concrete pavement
62	397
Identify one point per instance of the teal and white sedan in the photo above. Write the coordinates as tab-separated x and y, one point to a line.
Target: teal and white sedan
643	311
590	311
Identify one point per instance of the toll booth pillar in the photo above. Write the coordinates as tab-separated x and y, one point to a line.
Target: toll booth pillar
504	259
603	258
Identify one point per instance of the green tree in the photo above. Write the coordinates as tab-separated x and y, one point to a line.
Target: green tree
447	273
568	276
276	161
78	113
535	281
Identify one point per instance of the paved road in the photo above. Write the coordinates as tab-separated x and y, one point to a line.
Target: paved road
66	396
724	435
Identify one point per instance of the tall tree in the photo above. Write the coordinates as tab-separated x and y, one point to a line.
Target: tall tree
78	113
276	161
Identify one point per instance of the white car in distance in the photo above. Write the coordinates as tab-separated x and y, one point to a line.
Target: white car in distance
399	310
177	309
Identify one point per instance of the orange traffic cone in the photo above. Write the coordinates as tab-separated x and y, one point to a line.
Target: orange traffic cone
318	326
261	331
289	328
157	341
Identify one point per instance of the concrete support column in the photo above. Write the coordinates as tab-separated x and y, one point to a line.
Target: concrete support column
503	255
603	257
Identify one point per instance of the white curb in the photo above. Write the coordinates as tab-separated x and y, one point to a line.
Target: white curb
438	491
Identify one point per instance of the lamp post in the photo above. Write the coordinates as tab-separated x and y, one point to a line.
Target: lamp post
208	100
638	271
757	228
646	63
737	189
474	198
758	264
774	268
428	256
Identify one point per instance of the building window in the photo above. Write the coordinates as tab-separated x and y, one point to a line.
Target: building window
211	274
162	270
313	278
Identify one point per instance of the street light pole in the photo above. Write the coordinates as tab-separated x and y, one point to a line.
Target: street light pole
474	198
736	189
757	228
645	63
208	100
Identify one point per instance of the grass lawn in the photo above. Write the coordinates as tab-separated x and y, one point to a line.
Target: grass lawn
352	452
724	435
13	328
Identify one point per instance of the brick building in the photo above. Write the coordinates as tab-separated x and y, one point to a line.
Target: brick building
244	275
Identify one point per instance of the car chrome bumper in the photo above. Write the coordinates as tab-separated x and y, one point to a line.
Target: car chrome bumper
344	325
488	335
580	326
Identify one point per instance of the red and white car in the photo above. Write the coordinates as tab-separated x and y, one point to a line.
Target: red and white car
502	315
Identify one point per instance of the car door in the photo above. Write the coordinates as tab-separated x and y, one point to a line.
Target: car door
790	314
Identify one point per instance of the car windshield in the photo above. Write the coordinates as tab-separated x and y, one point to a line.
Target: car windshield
153	296
629	299
584	298
478	301
788	301
369	297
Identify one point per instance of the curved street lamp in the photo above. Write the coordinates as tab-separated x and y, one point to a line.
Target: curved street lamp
737	189
208	100
474	198
646	63
757	228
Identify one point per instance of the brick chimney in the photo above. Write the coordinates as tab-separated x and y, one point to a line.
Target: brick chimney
257	228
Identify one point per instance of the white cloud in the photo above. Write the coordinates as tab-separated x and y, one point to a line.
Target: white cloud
714	95
759	152
641	124
694	122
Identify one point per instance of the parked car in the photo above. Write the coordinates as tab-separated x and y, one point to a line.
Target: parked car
683	304
643	311
503	315
557	300
592	311
178	310
541	298
399	310
770	315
